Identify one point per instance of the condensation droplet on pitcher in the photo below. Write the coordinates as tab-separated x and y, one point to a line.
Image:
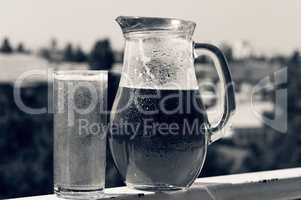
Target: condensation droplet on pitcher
160	63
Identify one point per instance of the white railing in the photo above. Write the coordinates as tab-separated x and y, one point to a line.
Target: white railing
268	185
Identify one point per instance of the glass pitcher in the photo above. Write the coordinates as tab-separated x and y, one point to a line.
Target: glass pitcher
159	127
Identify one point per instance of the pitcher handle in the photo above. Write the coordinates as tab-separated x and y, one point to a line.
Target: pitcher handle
227	89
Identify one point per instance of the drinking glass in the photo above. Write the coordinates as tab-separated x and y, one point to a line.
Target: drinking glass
80	101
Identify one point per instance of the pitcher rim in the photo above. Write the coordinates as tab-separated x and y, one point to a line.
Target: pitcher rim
131	24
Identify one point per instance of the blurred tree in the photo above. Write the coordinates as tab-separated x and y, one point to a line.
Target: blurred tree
289	153
6	46
228	51
55	54
53	44
278	59
101	56
79	55
50	52
20	48
44	53
202	59
68	54
296	58
25	143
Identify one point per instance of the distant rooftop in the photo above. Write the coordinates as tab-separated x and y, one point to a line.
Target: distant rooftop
15	65
247	115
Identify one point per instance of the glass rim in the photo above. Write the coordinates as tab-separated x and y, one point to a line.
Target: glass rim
80	74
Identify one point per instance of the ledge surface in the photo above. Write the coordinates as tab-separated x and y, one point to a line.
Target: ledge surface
268	185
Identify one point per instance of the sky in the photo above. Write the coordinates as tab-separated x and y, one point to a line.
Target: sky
270	25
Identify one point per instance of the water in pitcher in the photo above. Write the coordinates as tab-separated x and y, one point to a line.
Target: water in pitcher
160	131
157	136
79	142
